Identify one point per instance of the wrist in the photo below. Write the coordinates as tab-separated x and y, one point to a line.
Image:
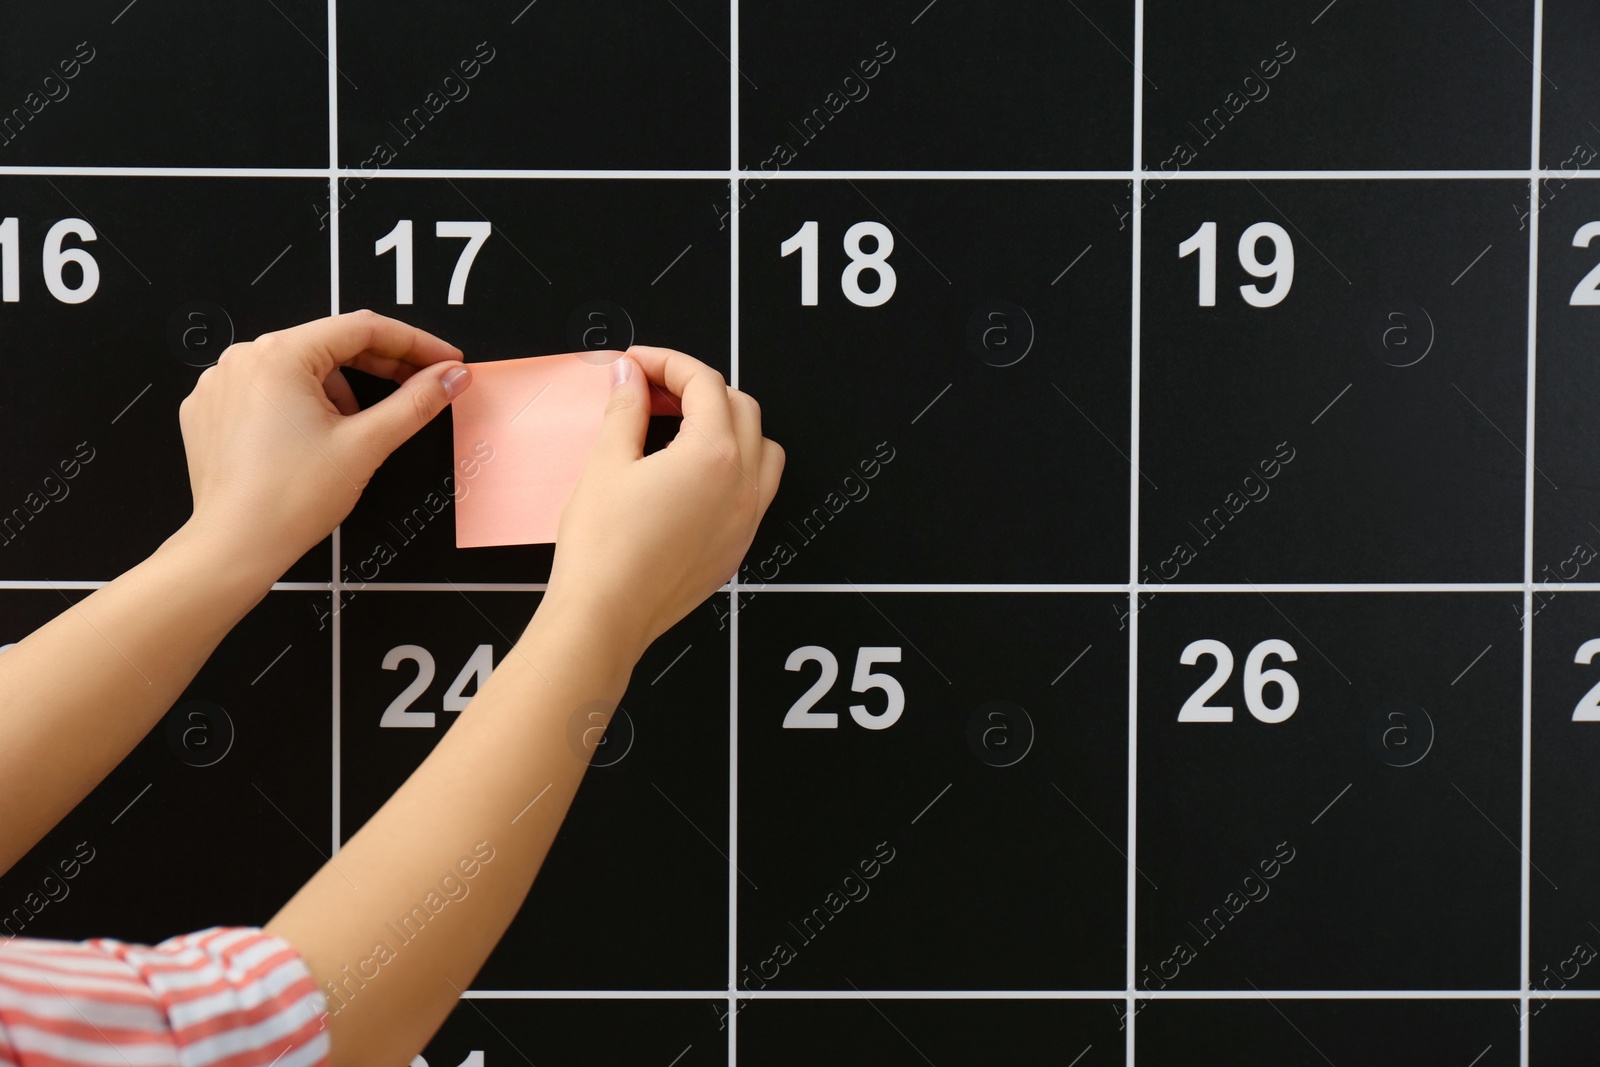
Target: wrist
605	639
227	567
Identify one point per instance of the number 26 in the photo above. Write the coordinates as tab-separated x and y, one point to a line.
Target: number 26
1195	709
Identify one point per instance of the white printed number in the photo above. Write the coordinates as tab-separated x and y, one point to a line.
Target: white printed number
1280	266
1587	291
56	259
804	240
398	241
474	1059
1195	709
801	717
1588	709
479	666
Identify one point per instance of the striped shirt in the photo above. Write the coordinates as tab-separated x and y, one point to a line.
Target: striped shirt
227	996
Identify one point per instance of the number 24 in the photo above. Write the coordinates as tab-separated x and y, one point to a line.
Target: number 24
479	665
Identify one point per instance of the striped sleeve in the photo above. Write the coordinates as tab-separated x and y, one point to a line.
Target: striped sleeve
227	996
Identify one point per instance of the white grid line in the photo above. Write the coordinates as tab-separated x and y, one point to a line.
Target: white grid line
1108	995
336	588
1134	475
397	173
901	587
1524	961
732	178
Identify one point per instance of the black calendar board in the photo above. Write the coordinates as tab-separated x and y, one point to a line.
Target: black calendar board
1175	637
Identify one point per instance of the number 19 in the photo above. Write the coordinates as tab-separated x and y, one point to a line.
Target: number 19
1204	241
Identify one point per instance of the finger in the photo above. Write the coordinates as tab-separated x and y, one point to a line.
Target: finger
627	415
771	468
395	370
338	390
366	339
700	389
663	402
746	428
390	422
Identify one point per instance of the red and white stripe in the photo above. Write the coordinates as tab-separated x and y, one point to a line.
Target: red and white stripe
228	996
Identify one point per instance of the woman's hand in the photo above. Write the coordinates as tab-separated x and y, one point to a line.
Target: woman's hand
646	539
278	454
642	540
278	450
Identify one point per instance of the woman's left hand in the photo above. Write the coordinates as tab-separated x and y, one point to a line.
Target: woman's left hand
278	449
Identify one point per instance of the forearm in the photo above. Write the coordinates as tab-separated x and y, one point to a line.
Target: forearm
80	692
501	778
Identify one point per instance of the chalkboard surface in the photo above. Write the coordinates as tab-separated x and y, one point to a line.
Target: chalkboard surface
1174	640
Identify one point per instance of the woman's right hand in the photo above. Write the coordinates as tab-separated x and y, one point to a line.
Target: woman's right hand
646	539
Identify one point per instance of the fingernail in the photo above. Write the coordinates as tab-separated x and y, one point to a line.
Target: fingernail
621	371
455	380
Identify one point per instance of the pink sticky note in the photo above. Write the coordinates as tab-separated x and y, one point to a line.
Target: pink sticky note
524	429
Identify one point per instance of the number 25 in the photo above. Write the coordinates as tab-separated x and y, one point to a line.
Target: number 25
801	717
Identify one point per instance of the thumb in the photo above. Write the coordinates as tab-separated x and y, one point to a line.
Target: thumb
627	413
389	423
